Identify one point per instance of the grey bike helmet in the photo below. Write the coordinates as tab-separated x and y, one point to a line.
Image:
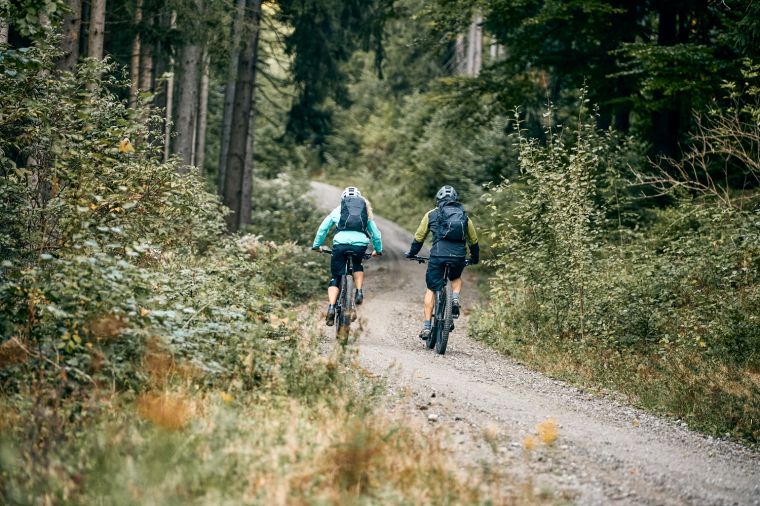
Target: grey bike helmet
350	192
446	192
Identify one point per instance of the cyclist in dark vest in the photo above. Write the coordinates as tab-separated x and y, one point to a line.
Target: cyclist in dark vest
355	227
452	232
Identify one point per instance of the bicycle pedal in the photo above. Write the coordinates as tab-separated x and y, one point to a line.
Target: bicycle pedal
451	328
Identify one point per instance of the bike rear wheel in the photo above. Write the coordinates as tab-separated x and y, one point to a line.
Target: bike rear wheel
446	321
345	307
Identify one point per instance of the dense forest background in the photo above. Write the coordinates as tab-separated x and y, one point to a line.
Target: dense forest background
609	152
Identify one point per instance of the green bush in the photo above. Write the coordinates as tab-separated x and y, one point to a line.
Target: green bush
117	278
107	248
582	282
283	211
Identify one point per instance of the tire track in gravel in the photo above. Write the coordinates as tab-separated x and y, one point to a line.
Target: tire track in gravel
607	451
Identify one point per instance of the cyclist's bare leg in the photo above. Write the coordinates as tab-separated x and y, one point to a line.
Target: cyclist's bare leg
429	303
358	279
332	294
456	285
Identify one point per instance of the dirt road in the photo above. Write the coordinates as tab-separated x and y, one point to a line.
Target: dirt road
607	452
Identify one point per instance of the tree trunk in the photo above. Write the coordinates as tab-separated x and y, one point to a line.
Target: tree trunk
477	43
200	138
146	63
134	64
237	186
475	46
229	93
187	106
169	97
4	31
470	50
72	24
460	55
96	32
624	88
665	120
246	194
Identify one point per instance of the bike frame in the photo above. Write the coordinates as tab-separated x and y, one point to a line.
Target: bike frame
345	306
442	318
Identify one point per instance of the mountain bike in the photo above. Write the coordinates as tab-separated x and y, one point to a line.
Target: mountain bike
345	307
443	319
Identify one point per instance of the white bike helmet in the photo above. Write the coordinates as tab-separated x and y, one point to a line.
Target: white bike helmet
446	192
350	192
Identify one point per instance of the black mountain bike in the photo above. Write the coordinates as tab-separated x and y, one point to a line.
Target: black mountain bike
345	307
443	319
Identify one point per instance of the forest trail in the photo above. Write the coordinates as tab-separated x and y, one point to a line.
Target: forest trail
607	451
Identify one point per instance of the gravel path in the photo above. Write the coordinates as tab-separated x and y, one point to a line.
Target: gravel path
486	404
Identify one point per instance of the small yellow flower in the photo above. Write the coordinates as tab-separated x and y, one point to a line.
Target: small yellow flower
529	443
125	146
227	398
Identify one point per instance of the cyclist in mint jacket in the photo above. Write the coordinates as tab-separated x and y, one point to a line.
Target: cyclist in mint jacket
452	232
355	227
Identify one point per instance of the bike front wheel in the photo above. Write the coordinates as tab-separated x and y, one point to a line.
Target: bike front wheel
446	321
345	308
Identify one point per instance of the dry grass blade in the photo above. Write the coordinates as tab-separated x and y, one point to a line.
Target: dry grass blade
168	410
548	431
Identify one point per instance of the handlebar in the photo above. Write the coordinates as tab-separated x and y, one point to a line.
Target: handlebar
422	260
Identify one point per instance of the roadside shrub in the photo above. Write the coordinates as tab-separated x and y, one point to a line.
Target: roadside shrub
282	210
118	283
586	289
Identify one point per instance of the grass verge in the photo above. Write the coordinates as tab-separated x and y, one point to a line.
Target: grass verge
180	442
710	395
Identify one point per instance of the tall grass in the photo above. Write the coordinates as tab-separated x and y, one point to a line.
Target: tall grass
177	445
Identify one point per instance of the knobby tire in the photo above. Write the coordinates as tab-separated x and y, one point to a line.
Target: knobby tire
446	321
345	305
436	328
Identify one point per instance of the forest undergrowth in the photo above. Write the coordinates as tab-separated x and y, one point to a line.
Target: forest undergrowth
595	283
150	358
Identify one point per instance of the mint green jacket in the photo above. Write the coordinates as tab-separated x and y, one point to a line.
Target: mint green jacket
350	237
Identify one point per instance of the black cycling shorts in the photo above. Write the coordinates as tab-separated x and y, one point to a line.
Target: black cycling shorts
338	260
435	267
